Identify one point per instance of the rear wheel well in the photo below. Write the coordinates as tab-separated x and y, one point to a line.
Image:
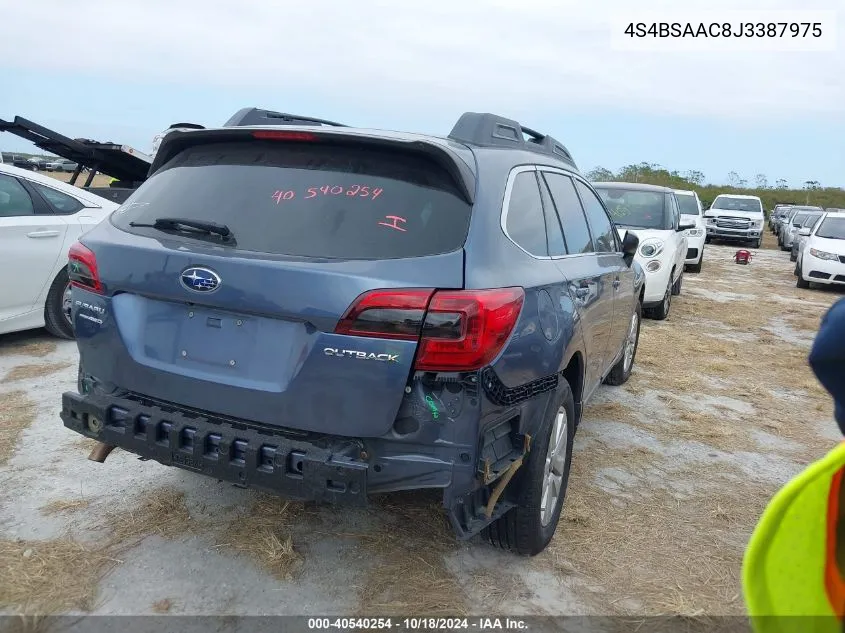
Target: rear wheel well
574	374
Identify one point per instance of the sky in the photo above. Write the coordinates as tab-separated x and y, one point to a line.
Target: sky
124	71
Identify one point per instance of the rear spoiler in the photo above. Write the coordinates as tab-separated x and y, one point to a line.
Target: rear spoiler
464	178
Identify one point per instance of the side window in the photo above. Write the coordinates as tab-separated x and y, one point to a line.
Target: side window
62	202
575	229
525	222
603	229
554	232
674	210
14	199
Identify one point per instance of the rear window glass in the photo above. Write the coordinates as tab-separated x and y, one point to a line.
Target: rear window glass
307	200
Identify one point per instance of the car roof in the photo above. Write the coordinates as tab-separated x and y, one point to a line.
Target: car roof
632	186
685	192
737	195
57	184
834	214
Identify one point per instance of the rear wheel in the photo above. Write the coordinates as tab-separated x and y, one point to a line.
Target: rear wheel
58	307
541	483
622	370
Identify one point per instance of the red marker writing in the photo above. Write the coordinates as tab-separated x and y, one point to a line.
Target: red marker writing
393	224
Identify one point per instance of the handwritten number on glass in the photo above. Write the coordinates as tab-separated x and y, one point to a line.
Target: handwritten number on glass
353	191
278	196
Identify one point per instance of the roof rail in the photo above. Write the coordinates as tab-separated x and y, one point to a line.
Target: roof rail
491	130
260	116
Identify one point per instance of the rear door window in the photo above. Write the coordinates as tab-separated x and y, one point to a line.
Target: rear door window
525	222
602	227
575	229
307	200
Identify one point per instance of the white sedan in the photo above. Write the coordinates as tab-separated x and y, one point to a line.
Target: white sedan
822	256
40	218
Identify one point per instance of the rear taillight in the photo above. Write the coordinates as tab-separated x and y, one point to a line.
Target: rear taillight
82	268
396	314
282	135
459	330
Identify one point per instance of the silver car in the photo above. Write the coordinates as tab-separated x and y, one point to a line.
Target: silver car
809	221
787	225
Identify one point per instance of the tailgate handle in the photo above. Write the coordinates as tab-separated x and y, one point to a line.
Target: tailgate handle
43	234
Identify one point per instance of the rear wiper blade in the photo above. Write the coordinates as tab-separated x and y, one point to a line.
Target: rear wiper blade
179	224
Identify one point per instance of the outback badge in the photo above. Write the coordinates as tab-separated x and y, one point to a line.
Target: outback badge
200	279
351	353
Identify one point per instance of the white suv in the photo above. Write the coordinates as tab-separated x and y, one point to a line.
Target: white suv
734	217
822	257
691	213
653	215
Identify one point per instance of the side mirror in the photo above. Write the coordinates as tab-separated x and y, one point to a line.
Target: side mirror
629	248
805	232
685	227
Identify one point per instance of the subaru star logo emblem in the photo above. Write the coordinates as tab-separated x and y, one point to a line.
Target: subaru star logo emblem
200	279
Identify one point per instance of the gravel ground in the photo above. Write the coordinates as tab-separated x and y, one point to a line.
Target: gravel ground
670	473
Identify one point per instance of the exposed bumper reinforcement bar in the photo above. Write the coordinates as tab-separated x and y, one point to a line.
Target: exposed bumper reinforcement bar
329	472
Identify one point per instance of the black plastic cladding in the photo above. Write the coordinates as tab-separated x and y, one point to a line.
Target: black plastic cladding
504	396
492	130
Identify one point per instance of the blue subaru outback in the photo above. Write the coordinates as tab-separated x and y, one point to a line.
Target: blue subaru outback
325	313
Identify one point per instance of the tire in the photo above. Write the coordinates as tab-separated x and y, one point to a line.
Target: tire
793	257
662	311
55	320
676	287
522	530
800	282
707	240
756	243
696	268
622	370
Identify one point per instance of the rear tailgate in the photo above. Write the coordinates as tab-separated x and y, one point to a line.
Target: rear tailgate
246	327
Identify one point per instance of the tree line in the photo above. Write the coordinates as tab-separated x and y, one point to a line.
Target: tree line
812	193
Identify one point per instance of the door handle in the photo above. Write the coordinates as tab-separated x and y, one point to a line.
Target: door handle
43	234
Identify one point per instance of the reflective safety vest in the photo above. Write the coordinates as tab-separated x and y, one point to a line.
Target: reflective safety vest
795	561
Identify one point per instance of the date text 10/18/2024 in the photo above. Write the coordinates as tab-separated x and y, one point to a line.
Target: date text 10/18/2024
417	624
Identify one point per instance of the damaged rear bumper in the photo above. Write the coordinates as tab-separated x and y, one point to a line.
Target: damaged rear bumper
274	462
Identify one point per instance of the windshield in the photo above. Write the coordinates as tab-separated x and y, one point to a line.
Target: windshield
729	203
687	204
637	209
832	229
309	201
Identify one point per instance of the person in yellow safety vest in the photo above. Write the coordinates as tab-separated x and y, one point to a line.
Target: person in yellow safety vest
793	574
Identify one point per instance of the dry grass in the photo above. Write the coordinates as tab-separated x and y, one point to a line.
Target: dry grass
100	180
15	345
161	512
17	412
34	370
63	506
264	533
408	575
43	577
653	553
46	577
162	606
